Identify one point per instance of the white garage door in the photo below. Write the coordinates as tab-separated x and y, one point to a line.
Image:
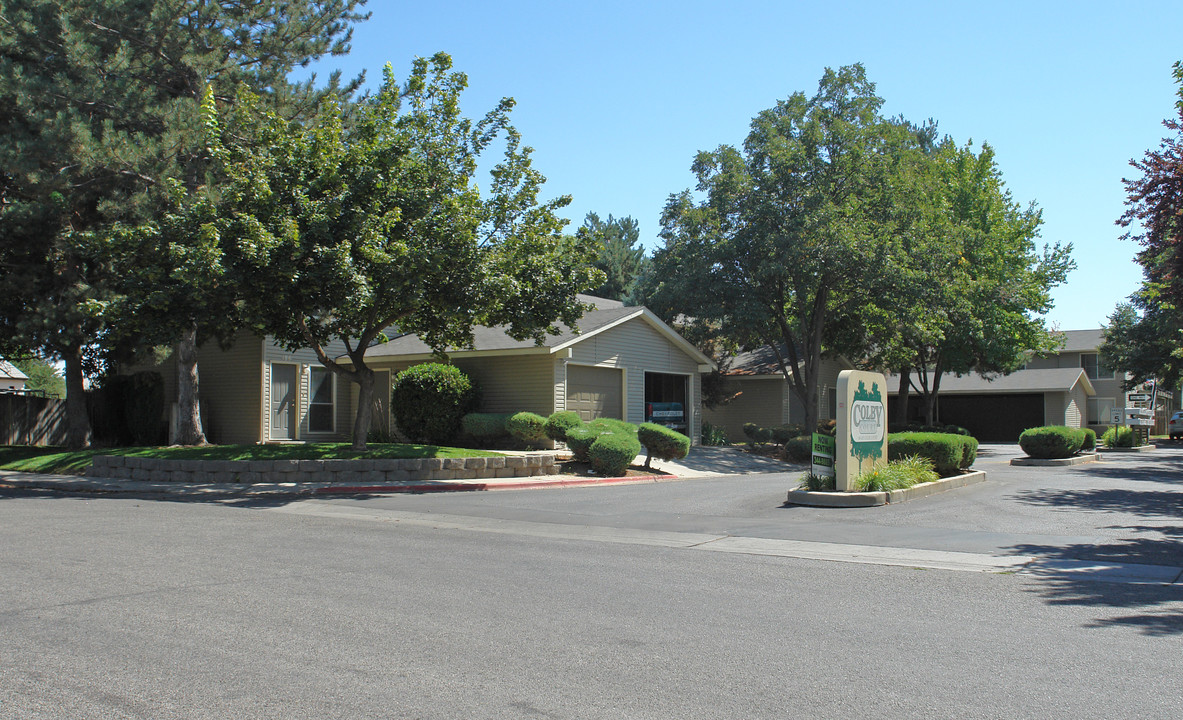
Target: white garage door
595	392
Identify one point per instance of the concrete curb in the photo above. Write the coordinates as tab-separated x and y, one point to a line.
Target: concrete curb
111	486
1055	462
1139	449
815	498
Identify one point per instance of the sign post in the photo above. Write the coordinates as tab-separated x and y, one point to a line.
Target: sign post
862	426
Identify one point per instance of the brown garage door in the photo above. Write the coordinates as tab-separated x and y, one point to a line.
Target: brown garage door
595	392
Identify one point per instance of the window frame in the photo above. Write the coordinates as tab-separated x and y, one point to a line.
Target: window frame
331	404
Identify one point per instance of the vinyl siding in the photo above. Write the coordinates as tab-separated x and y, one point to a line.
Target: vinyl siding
761	401
228	385
1053	408
513	384
638	348
305	358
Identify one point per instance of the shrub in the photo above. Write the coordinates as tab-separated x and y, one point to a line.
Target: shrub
558	424
782	434
581	437
1090	440
527	427
611	453
827	427
800	448
713	434
429	400
758	435
1054	441
1118	437
485	426
818	483
948	453
662	442
897	475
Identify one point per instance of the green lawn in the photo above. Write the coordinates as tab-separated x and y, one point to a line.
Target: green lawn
74	462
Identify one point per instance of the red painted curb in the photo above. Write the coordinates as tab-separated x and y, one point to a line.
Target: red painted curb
477	487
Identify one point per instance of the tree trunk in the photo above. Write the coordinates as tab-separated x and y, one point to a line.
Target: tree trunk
364	377
77	421
188	428
901	403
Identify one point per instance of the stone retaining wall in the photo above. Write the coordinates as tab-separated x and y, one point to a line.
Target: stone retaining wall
321	471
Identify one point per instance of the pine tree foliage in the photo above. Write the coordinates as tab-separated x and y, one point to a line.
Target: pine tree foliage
621	258
100	123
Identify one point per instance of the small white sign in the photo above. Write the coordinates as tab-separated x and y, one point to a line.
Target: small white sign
1115	419
866	421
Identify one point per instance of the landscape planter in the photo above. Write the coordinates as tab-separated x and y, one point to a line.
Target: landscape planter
1055	462
822	498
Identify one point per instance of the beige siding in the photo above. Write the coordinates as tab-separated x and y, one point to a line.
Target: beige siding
513	383
229	388
1053	408
305	358
638	348
1075	415
760	401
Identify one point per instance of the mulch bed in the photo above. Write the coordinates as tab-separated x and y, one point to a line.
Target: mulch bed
582	469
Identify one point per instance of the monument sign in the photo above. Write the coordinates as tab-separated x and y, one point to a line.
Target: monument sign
862	426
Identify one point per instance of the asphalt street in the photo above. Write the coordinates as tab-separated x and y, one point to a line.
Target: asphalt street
578	603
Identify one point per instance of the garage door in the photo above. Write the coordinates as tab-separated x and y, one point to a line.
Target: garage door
595	392
993	418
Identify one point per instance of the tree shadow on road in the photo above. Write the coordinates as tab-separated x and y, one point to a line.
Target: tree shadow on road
1158	609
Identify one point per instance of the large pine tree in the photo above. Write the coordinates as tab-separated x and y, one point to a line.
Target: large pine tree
100	128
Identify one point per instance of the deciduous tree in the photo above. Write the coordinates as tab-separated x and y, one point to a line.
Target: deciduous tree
352	231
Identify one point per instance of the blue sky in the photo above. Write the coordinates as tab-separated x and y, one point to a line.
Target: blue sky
616	97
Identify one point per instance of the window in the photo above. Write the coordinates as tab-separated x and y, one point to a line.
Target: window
320	400
1091	363
1100	409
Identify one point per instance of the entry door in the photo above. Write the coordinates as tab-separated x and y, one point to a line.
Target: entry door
283	402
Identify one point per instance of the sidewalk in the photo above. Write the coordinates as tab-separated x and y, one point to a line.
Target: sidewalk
702	462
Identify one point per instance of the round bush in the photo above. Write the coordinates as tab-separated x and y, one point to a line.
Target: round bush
527	427
1051	442
558	424
429	400
611	453
662	443
800	448
1090	440
485	426
1118	437
579	439
758	435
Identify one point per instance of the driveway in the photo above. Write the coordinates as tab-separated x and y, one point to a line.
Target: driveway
1127	508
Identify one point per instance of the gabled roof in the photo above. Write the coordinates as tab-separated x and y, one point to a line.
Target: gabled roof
1020	381
762	361
1082	340
497	341
10	371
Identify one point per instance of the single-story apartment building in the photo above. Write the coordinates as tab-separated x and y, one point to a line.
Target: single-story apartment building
762	396
616	363
11	378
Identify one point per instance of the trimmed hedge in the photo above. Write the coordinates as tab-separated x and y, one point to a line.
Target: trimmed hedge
610	454
527	427
559	423
662	443
1090	440
429	400
949	453
1119	437
485	426
1052	441
581	437
758	435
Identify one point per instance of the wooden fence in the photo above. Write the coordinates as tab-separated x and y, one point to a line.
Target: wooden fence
31	420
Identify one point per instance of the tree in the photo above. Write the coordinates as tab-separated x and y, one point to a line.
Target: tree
620	258
42	376
971	285
1144	337
347	233
99	122
783	244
